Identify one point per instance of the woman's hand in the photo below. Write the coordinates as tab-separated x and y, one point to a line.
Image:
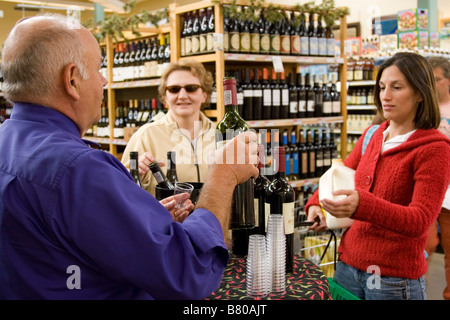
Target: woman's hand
316	215
181	214
343	207
144	160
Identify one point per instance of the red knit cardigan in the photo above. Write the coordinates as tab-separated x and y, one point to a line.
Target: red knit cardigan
401	192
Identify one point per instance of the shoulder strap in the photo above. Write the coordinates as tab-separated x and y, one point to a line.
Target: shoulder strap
368	136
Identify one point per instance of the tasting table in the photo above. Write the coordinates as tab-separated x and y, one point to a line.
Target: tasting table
306	282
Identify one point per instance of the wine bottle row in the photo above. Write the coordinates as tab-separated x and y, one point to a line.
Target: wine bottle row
359	69
197	34
140	59
307	37
266	95
131	113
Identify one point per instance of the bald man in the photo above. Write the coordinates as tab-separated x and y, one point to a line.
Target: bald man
73	224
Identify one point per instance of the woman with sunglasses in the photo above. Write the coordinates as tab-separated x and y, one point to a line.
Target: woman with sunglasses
186	89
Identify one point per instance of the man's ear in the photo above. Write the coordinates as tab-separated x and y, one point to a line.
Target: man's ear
71	77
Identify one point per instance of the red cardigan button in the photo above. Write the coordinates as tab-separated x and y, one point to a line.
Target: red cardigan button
368	180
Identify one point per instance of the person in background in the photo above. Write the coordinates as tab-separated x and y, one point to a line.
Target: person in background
185	88
400	183
441	70
73	223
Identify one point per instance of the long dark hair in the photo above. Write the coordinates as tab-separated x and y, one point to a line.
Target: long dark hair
419	74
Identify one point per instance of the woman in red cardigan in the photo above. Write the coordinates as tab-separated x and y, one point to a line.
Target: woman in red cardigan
400	183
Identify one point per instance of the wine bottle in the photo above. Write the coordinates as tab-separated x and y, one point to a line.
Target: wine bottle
322	38
313	36
311	150
188	39
327	151
183	36
318	97
257	96
160	177
235	37
293	97
303	32
134	171
203	31
335	97
195	38
281	197
284	88
319	152
331	43
245	35
226	32
287	154
264	31
326	97
309	97
285	36
301	93
295	36
247	88
294	156
267	95
254	37
302	156
260	184
242	211
276	96
275	45
171	167
210	31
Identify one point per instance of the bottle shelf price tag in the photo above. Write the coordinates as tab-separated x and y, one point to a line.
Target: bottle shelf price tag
277	64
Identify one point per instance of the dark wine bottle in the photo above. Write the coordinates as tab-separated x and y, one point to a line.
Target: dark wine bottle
295	36
318	97
285	36
326	100
203	31
303	32
245	35
171	167
257	96
293	97
310	148
254	37
188	36
183	36
322	37
294	156
195	38
301	92
275	45
234	36
309	90
284	107
247	88
211	30
264	32
281	198
160	177
242	211
302	155
320	152
287	154
134	171
267	96
313	36
261	184
276	96
335	97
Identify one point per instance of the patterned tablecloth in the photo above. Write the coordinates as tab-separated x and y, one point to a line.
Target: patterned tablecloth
306	282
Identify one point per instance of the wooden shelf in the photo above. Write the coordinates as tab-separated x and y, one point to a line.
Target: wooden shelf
117	142
361	107
361	83
136	84
305	182
293	122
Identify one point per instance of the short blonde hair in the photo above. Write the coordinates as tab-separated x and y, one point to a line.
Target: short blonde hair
197	69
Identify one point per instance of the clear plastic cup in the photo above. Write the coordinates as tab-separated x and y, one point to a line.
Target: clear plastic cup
276	250
257	280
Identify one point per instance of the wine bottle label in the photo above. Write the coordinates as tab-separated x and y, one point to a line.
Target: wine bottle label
234	42
248	93
276	98
256	209
267	213
294	165
288	217
304	46
275	43
202	44
183	46
327	108
267	97
302	106
265	43
313	46
330	47
210	42
195	44
304	160
285	45
257	93
188	46
245	42
285	97
293	107
226	42
322	46
159	178
255	40
295	44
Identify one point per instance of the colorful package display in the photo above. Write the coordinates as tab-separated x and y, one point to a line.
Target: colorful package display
434	40
408	40
313	251
412	19
388	42
370	45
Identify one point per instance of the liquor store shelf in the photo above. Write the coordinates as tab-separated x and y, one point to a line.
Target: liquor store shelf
119	142
135	84
304	60
293	122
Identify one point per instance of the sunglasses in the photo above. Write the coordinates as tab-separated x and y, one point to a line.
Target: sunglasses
190	88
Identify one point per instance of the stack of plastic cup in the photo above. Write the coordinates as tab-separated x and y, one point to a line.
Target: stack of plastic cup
276	249
257	284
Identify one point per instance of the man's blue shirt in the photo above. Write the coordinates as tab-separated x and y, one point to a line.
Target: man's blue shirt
74	225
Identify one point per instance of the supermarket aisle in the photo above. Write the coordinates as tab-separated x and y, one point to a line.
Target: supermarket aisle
436	278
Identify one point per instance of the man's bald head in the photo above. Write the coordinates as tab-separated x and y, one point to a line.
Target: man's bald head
35	52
